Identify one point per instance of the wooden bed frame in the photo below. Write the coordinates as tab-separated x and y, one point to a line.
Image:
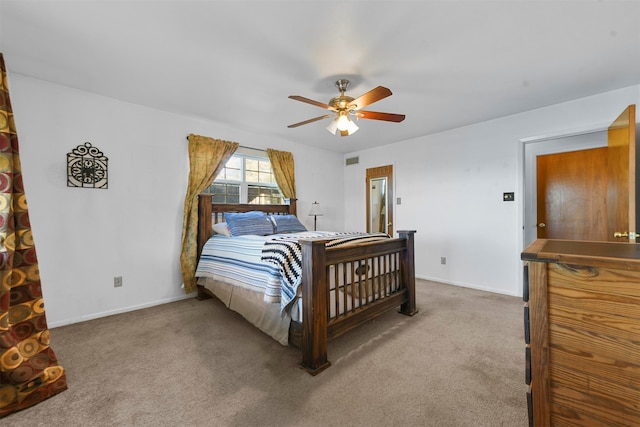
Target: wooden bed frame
381	293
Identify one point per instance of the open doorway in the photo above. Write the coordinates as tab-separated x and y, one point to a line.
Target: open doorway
614	179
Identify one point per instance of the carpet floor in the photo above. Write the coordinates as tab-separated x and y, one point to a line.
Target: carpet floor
458	362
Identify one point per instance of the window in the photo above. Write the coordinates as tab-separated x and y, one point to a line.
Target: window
246	178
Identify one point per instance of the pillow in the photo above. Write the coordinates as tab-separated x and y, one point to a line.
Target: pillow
253	222
287	224
222	228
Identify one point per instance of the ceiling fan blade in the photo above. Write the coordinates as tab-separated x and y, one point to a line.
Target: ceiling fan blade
312	102
315	119
370	97
374	115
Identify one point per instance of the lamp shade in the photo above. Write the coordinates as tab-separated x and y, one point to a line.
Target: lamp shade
333	126
343	124
315	209
343	121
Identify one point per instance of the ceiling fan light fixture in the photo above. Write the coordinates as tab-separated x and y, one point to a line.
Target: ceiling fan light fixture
333	126
344	105
351	128
342	124
343	121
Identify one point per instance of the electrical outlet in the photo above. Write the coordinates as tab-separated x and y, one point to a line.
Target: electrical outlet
443	260
117	281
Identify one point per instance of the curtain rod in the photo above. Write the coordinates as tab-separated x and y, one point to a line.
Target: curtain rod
241	146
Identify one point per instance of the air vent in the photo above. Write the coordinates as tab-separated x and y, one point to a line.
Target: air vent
353	161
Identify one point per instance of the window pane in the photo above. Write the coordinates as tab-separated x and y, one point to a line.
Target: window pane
218	188
264	195
232	170
251	176
235	162
265	166
240	171
266	178
253	195
229	174
251	164
225	193
233	174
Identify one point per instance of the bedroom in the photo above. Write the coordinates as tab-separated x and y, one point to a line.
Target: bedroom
450	180
440	179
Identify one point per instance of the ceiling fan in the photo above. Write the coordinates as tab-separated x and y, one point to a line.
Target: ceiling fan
343	106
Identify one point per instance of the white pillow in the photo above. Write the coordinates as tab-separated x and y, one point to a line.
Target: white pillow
222	228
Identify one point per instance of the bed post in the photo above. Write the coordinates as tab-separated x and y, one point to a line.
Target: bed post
408	269
314	307
293	206
204	220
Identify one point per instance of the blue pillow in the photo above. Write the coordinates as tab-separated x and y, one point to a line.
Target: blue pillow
287	224
253	222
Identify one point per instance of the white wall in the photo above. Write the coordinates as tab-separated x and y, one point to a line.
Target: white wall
451	186
85	237
452	183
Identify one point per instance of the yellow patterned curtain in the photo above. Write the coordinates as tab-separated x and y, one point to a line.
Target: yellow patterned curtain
283	169
29	370
207	157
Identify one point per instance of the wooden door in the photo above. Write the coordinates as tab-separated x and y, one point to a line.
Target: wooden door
572	195
621	137
590	194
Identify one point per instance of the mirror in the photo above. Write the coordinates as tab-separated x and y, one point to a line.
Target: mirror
377	204
380	200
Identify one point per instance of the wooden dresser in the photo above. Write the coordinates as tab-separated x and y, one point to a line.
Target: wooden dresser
582	333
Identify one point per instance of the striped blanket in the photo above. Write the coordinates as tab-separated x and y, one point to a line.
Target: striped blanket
236	260
285	252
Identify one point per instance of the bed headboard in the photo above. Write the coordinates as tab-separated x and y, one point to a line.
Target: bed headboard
209	213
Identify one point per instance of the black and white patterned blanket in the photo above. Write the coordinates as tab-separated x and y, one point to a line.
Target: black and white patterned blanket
286	253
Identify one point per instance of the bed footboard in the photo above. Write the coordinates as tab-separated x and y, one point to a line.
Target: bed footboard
344	287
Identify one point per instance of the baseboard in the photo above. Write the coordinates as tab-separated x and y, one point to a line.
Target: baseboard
467	285
182	297
117	311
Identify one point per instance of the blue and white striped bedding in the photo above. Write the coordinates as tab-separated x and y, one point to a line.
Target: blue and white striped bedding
269	264
237	260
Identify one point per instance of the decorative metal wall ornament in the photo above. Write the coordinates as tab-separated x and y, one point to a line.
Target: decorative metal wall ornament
87	167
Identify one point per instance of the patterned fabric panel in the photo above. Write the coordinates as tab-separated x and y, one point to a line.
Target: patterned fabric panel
29	370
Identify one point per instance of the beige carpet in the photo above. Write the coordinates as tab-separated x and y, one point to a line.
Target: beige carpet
458	362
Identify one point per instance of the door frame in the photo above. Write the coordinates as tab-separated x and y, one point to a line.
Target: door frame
531	148
385	171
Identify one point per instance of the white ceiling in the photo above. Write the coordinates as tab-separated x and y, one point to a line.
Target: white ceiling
448	63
